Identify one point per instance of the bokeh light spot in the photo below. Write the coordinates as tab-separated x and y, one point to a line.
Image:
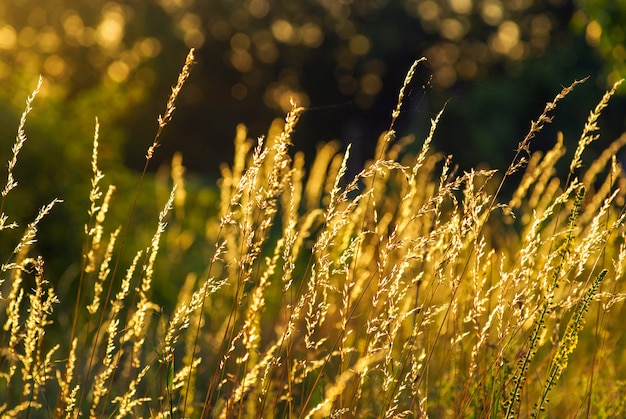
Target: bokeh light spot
148	47
359	45
258	8
443	54
452	29
371	84
492	12
110	31
48	40
88	37
118	71
194	38
311	35
173	6
191	26
289	96
428	10
240	42
242	61
444	76
593	33
55	66
27	37
279	96
283	31
266	51
189	21
506	40
131	58
463	7
72	23
8	37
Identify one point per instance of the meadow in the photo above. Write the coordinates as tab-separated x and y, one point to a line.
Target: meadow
410	290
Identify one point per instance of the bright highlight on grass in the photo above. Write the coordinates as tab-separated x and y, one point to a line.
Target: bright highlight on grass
410	290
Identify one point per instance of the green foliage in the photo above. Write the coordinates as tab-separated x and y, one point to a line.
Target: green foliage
603	23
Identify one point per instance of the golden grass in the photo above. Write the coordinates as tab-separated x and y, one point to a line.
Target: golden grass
409	290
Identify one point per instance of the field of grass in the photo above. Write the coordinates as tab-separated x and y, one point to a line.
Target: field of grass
410	290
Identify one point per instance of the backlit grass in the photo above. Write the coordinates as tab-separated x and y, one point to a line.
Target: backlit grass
409	290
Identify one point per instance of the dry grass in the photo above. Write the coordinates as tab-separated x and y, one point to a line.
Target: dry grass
409	290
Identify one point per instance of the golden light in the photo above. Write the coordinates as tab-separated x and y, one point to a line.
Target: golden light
241	60
258	8
267	53
191	26
194	38
463	7
240	42
148	47
130	58
279	96
27	37
73	24
593	33
446	53
118	71
453	29
428	10
311	35
444	76
283	31
290	96
173	6
88	37
443	59
507	40
110	31
8	37
189	21
371	84
492	12
359	45
55	66
48	40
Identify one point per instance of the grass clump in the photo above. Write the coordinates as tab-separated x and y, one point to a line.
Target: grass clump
408	290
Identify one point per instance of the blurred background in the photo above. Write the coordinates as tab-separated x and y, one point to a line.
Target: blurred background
494	62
